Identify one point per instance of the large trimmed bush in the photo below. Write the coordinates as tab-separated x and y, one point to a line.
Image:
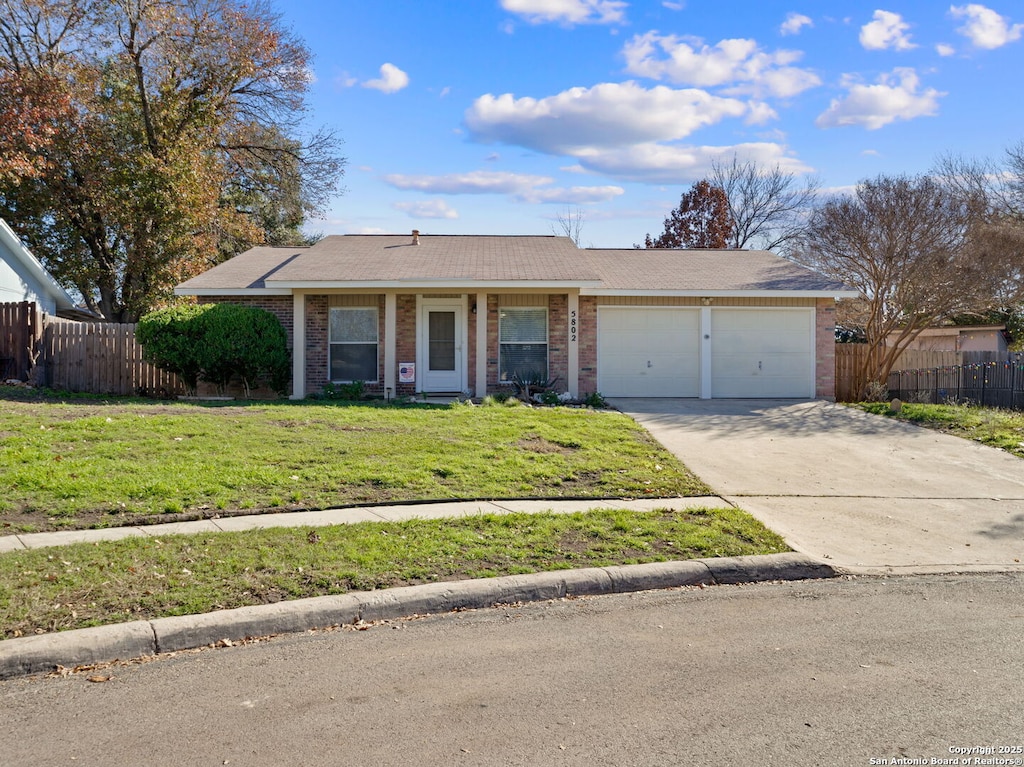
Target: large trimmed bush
243	341
171	339
215	343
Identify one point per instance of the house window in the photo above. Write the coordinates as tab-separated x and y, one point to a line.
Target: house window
353	342
523	342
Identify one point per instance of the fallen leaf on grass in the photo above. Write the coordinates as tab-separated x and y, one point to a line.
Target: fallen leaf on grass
98	678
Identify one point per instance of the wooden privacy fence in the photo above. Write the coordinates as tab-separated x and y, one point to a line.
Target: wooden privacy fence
101	358
850	356
21	328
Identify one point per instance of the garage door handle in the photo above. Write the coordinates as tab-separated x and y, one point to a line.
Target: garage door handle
649	364
759	364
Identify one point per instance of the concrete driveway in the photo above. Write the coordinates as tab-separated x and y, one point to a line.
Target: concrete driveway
862	492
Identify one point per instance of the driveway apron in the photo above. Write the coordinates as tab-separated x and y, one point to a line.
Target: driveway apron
862	492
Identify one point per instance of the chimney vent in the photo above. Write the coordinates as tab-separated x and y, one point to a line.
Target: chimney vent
415	236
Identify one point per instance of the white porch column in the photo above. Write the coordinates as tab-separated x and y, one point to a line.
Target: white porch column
705	352
480	385
298	346
573	384
390	343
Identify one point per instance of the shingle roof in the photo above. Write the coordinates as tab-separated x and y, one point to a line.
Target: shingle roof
353	260
246	271
375	258
703	270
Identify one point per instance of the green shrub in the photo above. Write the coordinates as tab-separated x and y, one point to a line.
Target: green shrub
215	342
245	341
172	340
353	391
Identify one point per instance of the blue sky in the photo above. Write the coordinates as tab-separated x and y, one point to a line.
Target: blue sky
496	116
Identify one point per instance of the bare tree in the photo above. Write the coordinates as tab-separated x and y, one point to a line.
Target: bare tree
570	224
920	251
769	207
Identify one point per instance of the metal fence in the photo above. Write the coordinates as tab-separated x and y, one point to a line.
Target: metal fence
995	383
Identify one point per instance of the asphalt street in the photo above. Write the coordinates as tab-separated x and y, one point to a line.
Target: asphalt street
832	672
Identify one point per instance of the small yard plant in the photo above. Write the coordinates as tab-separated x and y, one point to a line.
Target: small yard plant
1003	429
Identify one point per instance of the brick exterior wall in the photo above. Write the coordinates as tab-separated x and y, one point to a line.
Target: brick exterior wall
825	348
558	341
492	343
587	339
406	342
317	341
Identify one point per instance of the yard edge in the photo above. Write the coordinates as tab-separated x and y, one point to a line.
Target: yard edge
25	656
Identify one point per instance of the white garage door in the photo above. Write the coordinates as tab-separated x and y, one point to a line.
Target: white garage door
650	352
762	353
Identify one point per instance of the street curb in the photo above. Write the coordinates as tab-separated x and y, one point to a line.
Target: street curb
43	653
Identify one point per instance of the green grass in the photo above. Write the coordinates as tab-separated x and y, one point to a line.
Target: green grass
80	463
52	589
1003	429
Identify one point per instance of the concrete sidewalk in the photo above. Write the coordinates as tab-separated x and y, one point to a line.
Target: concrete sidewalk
866	493
351	515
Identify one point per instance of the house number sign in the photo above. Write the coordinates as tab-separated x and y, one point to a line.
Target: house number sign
572	325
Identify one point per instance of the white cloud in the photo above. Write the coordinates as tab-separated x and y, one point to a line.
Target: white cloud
427	209
345	80
984	27
606	115
760	113
871	153
888	30
794	23
896	96
519	186
736	62
577	195
673	6
568	11
391	79
945	50
652	163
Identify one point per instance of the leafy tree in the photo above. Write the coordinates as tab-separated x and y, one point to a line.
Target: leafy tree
702	220
920	251
768	206
145	139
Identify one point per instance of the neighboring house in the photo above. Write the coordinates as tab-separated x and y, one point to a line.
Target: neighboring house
469	314
960	338
23	278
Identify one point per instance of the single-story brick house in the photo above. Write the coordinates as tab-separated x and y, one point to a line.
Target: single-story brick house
468	314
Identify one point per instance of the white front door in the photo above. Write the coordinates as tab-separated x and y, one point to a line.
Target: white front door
441	347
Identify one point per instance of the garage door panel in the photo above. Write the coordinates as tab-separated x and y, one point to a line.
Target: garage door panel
649	352
762	353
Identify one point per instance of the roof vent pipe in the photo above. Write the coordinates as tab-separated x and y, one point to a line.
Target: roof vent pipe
415	236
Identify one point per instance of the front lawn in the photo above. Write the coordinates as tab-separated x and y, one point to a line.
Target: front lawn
990	426
82	462
53	589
